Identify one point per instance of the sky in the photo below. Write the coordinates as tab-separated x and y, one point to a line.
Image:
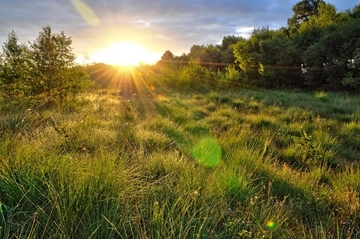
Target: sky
155	25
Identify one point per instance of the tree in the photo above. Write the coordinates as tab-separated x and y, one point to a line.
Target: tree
54	74
268	59
205	54
230	40
13	67
278	56
183	59
303	10
209	55
212	56
355	12
196	51
352	77
167	60
248	54
227	50
326	15
335	56
167	56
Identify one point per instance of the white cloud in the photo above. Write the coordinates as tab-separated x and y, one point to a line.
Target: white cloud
142	23
244	31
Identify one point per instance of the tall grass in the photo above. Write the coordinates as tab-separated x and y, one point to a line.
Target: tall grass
125	168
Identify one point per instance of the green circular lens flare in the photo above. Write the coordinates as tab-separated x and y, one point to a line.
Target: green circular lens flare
270	224
207	152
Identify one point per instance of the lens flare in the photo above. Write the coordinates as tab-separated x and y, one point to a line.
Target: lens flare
207	152
270	224
86	12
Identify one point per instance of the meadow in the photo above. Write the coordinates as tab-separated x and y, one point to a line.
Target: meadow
244	163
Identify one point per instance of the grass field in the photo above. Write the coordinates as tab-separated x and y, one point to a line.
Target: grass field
232	164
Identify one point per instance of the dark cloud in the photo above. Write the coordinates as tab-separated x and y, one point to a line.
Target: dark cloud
173	25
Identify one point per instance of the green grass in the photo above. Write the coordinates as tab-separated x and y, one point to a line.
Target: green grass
137	168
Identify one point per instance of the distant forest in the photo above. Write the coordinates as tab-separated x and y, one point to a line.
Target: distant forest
318	49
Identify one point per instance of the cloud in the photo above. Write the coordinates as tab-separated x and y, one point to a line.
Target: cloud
244	31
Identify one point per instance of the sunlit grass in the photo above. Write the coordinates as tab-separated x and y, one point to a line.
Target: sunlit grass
124	167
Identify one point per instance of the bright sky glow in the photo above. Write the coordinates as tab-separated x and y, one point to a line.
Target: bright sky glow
125	53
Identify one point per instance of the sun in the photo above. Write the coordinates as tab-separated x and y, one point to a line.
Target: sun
125	53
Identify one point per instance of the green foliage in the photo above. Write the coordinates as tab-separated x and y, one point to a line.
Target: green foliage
309	150
167	74
191	75
332	64
196	76
355	12
279	55
232	74
44	72
303	11
167	56
213	57
268	59
326	15
247	54
228	41
209	56
304	54
13	68
53	72
352	78
351	81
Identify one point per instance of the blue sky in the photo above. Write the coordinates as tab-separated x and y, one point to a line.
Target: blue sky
159	25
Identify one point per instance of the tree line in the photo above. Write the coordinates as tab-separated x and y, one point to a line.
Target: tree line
216	57
319	48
